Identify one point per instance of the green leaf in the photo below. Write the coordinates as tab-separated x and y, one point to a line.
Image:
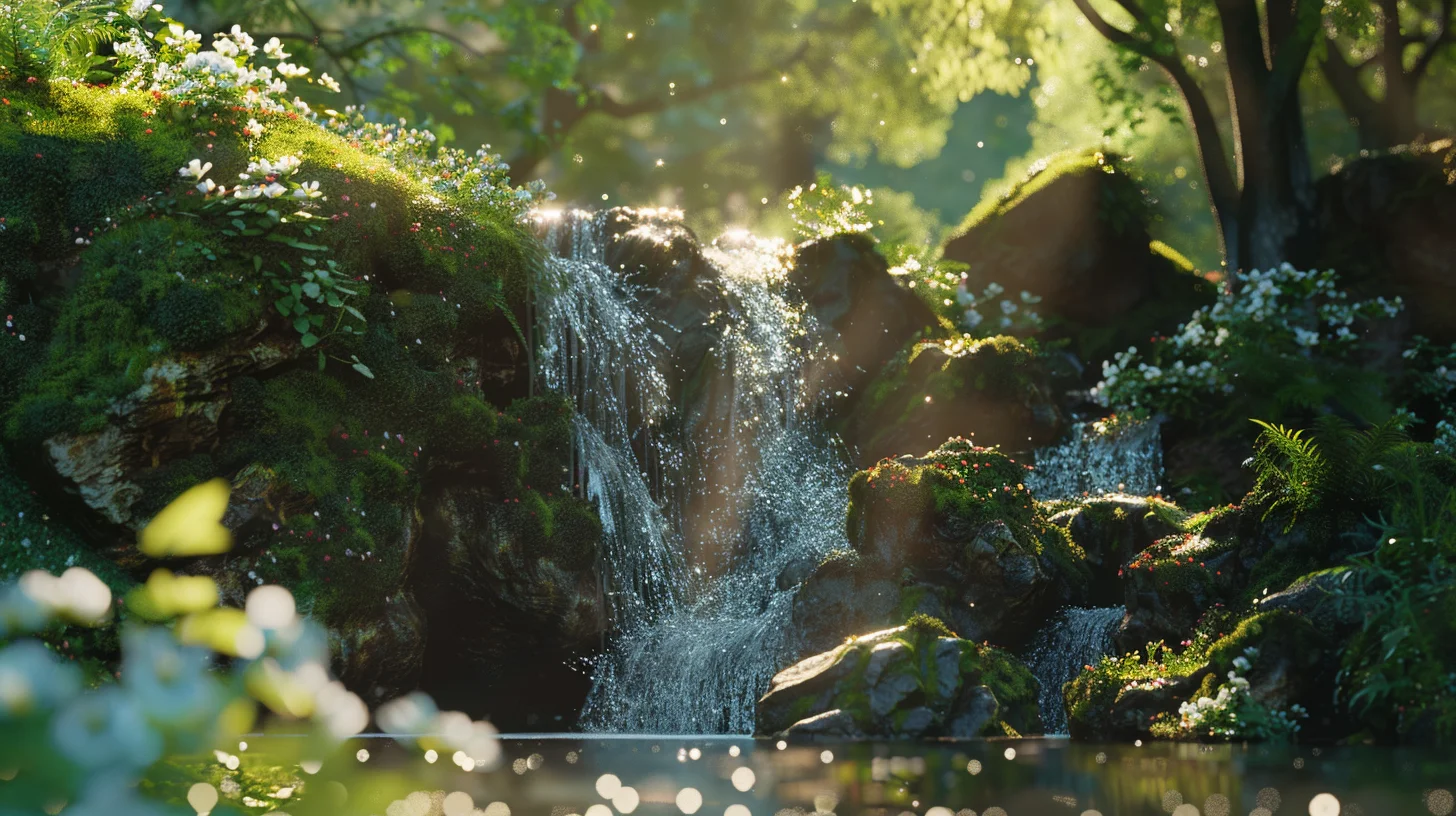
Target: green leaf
363	369
334	301
284	304
311	289
310	340
302	326
355	312
322	361
238	222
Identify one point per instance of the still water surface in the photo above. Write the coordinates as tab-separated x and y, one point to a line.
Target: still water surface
738	777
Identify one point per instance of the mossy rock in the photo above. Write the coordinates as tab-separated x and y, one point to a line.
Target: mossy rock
154	358
913	681
1137	695
1075	233
996	390
960	524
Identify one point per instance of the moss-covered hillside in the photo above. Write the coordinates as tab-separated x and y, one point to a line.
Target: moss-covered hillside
338	367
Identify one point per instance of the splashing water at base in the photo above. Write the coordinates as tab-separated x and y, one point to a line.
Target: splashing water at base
698	653
1074	639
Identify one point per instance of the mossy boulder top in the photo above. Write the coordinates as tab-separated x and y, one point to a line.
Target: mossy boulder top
911	681
1075	233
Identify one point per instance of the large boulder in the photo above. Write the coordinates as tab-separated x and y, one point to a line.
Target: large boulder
847	288
996	390
148	351
1388	226
908	682
953	534
1074	233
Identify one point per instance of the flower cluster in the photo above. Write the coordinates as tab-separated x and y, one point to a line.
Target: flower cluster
193	676
825	210
173	63
263	179
1233	713
1282	316
1006	315
481	177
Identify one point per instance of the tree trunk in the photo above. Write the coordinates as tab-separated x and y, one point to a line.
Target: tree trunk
1276	197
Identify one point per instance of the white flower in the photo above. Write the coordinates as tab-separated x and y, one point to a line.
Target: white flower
195	169
291	71
253	128
182	38
328	82
34	679
172	683
1008	307
207	186
274	190
243	39
308	189
211	63
138	8
274	48
411	714
105	728
225	46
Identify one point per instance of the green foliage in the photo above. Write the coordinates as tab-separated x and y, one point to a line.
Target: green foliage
1276	344
50	39
1398	672
1332	477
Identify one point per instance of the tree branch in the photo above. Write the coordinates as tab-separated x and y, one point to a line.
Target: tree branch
1223	190
1438	40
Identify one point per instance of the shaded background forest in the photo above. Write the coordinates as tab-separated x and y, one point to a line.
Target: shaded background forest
721	108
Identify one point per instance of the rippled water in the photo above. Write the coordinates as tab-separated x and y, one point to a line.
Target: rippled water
741	777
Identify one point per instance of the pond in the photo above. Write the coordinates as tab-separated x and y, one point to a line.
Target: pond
740	776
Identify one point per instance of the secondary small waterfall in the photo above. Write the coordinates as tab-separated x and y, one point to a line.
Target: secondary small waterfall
1075	638
700	622
1124	460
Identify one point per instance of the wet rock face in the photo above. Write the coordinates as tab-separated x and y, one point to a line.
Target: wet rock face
907	682
511	612
175	413
996	391
848	288
1076	235
954	535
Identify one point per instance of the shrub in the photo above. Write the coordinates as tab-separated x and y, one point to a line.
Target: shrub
1274	342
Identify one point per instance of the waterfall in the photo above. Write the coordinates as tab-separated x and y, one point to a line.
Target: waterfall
596	348
1075	638
758	492
1127	459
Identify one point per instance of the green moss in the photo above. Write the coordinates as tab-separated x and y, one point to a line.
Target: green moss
922	624
1123	203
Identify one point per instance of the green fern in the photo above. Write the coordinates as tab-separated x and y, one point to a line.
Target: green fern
49	39
1334	471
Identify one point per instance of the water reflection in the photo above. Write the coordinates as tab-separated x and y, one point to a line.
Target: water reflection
739	776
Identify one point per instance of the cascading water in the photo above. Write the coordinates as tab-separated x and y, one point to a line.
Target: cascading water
700	649
596	348
1073	639
1123	460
